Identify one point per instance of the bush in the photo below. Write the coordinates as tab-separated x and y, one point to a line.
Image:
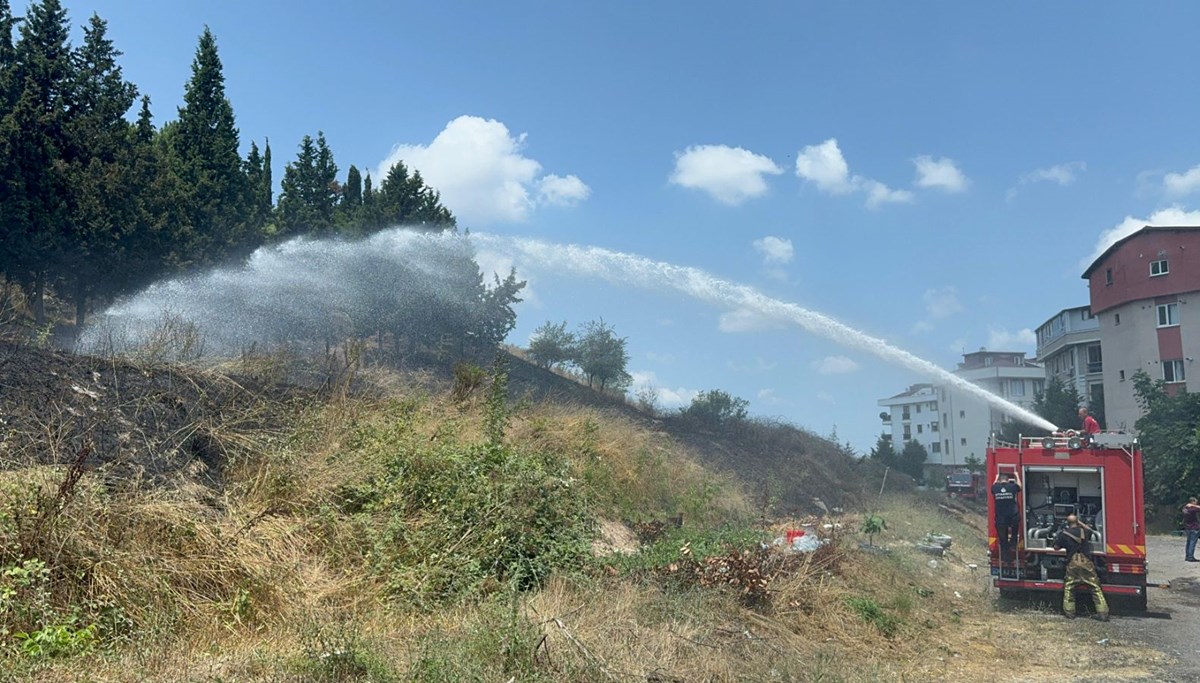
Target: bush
451	520
869	611
716	408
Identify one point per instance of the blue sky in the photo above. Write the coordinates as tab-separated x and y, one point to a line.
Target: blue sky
936	174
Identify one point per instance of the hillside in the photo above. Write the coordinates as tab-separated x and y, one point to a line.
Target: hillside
179	524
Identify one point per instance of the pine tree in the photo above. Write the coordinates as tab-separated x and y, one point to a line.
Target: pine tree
36	200
209	165
97	157
258	178
8	169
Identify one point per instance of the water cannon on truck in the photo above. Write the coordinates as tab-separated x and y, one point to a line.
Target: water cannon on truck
1097	477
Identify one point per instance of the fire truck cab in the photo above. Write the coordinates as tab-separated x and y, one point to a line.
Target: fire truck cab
1099	478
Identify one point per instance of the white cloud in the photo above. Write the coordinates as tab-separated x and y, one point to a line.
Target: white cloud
835	365
556	190
1003	340
824	166
745	320
775	250
942	303
731	175
939	174
879	194
483	177
770	397
1061	174
1179	184
826	397
667	397
1174	215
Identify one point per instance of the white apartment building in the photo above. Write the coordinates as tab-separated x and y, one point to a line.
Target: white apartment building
954	425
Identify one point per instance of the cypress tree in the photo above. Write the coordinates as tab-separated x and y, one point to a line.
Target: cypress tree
37	185
208	162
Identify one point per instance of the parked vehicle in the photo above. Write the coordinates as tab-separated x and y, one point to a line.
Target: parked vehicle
965	484
1100	481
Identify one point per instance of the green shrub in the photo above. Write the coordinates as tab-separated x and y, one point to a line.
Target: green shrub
871	612
450	520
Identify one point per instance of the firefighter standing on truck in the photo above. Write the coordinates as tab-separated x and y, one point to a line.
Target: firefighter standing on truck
1080	568
1008	519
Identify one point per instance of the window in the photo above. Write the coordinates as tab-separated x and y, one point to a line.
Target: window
920	429
1116	318
945	418
964	441
1039	386
947	445
962	413
1094	358
1086	313
1121	375
933	426
1108	276
1168	315
987	360
1016	387
1173	371
1158	268
918	407
935	447
907	434
904	415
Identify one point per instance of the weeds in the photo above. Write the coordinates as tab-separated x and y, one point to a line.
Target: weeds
869	611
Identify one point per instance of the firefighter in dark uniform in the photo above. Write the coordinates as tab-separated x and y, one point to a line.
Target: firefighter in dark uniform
1008	519
1080	568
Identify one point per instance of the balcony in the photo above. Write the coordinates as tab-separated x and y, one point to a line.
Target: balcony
1097	366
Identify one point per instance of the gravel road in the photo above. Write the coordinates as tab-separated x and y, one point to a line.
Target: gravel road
1172	623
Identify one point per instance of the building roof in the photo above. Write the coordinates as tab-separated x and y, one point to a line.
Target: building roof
1065	310
1149	228
912	391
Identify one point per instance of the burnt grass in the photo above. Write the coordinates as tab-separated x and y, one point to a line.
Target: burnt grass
152	425
165	425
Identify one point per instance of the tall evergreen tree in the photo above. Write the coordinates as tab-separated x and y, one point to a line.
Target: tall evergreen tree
97	158
309	193
8	176
405	199
209	165
258	178
37	195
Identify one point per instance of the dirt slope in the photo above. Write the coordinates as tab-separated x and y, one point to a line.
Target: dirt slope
141	424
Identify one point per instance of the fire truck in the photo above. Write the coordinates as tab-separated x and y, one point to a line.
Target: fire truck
965	484
1098	478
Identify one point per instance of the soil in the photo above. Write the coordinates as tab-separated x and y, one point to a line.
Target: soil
139	424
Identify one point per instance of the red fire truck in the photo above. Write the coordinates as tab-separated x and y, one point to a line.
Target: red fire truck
965	484
1097	478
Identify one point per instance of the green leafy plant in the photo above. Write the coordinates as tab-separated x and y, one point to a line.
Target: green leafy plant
58	640
873	524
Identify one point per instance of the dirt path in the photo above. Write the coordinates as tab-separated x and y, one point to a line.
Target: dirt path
1172	624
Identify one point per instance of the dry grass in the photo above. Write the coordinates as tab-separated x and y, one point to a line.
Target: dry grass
272	582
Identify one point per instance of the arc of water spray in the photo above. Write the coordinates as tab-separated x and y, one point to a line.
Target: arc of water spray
639	271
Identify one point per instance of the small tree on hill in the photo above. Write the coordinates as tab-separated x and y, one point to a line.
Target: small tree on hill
715	408
602	357
883	452
552	345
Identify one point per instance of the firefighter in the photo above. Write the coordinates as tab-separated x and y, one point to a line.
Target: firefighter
1008	518
1080	568
1089	426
